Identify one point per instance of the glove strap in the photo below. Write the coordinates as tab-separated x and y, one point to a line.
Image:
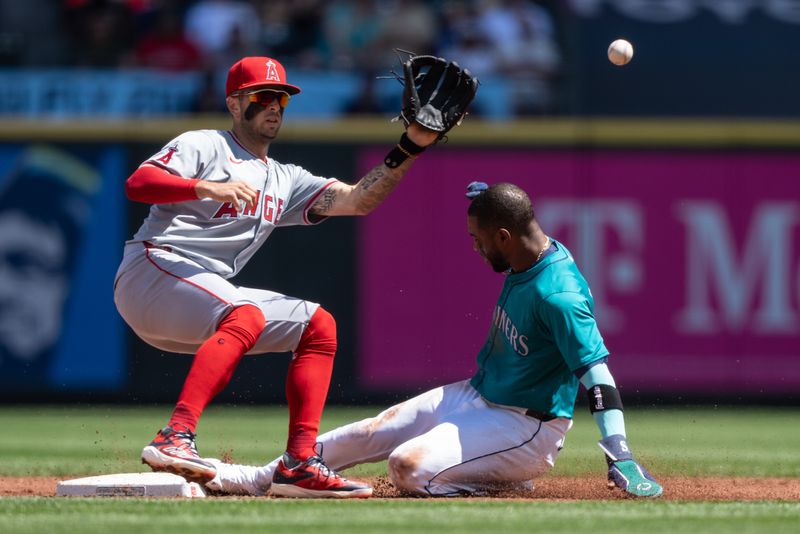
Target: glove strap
405	149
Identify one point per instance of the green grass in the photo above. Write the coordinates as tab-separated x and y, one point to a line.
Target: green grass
386	516
74	441
47	440
52	440
697	441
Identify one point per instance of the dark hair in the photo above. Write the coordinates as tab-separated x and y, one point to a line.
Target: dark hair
502	205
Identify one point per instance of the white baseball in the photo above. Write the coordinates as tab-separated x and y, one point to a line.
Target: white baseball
620	52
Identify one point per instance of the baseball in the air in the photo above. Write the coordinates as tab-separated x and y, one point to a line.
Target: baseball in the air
620	52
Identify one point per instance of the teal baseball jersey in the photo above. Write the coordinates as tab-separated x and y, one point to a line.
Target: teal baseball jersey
543	329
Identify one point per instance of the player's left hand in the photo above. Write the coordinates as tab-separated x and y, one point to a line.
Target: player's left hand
421	136
626	473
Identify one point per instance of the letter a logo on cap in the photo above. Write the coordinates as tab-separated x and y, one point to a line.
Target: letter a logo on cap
272	72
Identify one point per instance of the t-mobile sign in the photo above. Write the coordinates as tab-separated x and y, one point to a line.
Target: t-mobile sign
693	259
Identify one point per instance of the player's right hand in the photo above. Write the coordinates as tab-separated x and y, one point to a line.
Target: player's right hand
626	473
232	192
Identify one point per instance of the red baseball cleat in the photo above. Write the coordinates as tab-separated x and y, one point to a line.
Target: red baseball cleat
174	451
312	479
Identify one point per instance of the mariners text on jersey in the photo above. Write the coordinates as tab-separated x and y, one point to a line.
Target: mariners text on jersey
518	341
543	330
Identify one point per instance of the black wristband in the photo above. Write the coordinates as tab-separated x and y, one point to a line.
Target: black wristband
407	145
403	150
603	397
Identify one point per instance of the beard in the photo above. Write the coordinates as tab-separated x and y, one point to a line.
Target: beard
498	263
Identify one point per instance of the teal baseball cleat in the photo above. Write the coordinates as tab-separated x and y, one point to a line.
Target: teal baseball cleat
633	479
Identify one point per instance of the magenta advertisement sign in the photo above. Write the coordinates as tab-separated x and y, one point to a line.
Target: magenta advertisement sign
693	259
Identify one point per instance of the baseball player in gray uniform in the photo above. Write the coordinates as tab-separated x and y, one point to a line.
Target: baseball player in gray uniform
216	197
506	425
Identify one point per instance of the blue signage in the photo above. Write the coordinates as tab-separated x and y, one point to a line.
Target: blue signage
62	217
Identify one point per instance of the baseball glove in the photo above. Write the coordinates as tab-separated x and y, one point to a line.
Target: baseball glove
436	93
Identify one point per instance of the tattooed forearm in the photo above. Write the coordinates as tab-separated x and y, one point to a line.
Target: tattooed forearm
373	176
359	199
373	188
325	204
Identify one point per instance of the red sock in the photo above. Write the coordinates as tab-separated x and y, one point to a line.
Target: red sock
307	383
215	361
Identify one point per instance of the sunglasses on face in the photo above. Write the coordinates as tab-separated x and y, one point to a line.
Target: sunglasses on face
265	98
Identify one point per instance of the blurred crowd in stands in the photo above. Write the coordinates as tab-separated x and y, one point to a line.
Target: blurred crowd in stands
519	40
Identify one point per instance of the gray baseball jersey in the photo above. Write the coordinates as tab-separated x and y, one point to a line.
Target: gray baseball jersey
212	233
172	288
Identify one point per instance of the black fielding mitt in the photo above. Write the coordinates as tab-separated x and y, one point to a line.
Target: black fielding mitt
436	93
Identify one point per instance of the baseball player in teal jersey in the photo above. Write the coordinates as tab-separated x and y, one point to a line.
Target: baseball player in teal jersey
506	425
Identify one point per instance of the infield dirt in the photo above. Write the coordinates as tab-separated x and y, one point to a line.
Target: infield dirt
547	489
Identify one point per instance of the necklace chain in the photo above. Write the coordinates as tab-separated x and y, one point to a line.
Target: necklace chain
545	247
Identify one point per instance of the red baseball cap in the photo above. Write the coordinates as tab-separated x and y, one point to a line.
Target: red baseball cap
258	72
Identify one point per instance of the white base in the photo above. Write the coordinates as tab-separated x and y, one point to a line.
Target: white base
130	485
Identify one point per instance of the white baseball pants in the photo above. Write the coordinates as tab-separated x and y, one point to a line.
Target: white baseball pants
446	441
174	304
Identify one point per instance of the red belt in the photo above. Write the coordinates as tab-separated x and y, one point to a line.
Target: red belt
148	244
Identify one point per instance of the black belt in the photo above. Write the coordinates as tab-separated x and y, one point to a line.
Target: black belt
540	415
